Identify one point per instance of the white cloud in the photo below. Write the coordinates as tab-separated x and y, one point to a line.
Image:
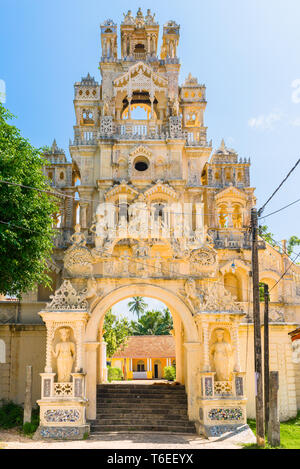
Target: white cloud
296	122
296	94
265	121
2	92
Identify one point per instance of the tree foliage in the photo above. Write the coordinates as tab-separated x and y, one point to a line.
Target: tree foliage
293	241
137	306
267	235
269	238
26	234
116	332
153	323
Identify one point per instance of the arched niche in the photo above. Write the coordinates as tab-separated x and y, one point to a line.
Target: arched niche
233	285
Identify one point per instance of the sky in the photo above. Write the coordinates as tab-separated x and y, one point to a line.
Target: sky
245	52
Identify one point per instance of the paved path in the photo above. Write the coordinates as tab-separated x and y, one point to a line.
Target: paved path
13	440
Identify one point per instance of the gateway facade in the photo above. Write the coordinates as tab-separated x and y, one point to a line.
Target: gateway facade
157	213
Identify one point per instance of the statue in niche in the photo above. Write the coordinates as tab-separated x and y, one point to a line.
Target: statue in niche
175	107
138	217
65	354
78	238
99	228
222	355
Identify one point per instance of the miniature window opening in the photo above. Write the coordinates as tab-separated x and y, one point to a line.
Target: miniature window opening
141	164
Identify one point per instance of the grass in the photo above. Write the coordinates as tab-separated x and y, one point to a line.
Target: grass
289	434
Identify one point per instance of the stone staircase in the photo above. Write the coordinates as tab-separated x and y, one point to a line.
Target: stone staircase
141	408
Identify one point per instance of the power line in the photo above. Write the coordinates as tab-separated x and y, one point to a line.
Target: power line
286	271
83	199
277	211
35	189
280	185
167	270
279	244
162	269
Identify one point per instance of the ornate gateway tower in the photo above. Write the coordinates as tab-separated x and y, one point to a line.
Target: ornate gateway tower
155	218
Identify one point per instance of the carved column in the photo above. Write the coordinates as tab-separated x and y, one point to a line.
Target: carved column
206	362
148	44
79	361
129	107
192	361
236	345
50	331
83	214
91	371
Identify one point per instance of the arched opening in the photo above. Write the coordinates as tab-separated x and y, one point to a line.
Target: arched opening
187	346
273	291
223	216
138	333
237	217
140	107
139	51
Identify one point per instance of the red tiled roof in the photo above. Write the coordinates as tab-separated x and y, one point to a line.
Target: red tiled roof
295	335
148	346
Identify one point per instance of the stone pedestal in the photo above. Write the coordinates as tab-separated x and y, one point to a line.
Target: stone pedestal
222	406
63	408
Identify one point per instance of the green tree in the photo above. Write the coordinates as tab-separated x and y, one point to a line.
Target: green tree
137	306
267	235
26	234
293	241
153	323
116	332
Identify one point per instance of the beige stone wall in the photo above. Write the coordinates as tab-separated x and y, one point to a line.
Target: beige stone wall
25	345
297	377
280	360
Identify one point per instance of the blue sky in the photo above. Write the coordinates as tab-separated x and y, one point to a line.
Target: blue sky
246	52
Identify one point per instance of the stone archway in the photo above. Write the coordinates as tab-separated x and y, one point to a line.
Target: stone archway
190	349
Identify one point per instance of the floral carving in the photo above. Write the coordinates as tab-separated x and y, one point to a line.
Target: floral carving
204	256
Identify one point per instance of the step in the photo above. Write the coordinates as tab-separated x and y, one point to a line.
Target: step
161	410
141	386
145	395
173	413
141	396
143	428
141	389
158	420
138	402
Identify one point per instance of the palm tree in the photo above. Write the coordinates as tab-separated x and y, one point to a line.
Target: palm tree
137	306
